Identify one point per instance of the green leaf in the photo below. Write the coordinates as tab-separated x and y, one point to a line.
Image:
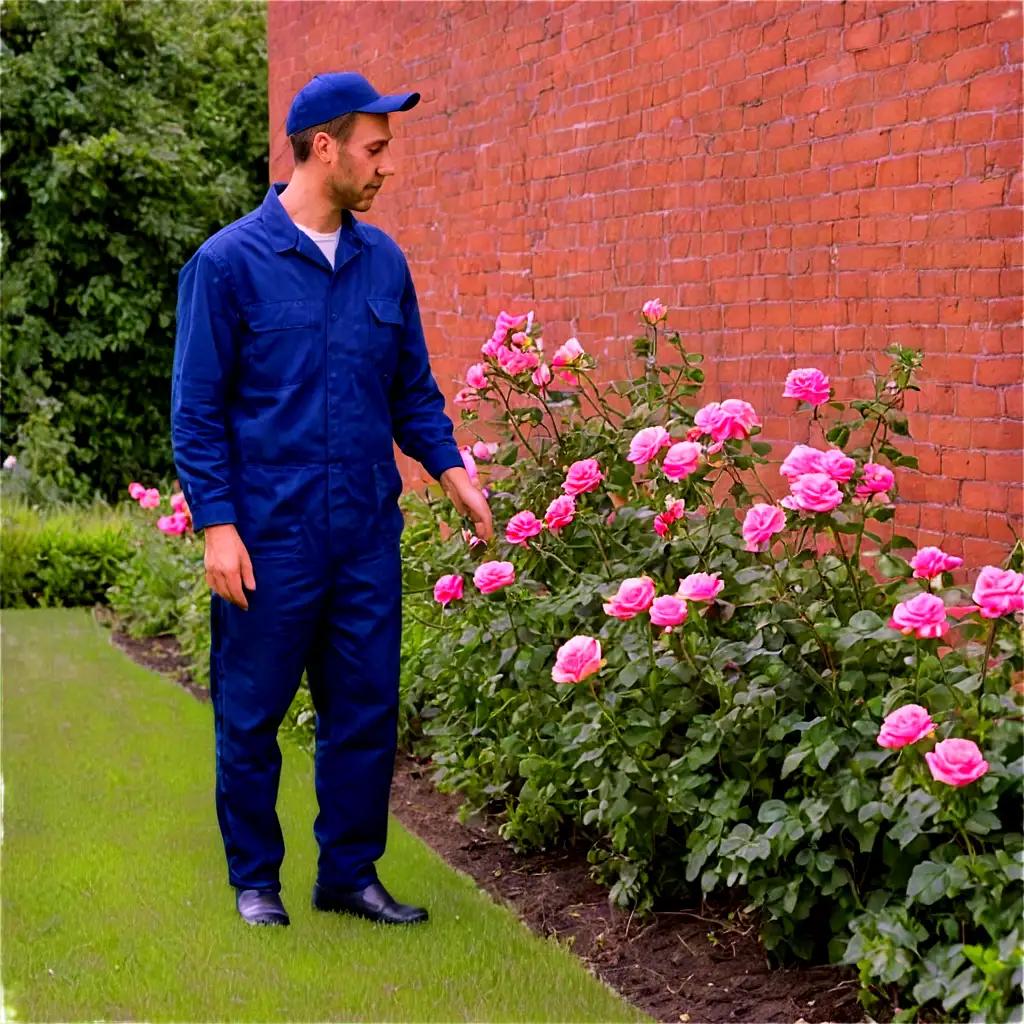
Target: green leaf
772	810
793	761
893	566
865	621
927	882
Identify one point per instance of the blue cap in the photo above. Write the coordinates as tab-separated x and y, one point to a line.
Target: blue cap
341	92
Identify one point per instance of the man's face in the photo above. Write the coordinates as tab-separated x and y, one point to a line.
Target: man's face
361	163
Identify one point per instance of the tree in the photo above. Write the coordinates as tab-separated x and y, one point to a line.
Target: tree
134	130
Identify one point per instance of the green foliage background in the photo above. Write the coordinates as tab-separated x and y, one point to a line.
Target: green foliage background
133	130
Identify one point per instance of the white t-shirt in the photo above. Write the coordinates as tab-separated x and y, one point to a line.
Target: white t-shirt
328	242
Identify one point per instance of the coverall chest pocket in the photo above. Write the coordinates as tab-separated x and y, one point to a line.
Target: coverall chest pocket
386	327
279	351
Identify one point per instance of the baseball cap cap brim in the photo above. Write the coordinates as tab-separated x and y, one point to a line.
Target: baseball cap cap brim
389	104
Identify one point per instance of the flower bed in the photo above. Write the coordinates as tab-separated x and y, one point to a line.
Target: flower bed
715	690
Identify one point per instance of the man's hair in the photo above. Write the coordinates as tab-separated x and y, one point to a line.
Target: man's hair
339	128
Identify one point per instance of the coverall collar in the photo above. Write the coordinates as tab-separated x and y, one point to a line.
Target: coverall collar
284	232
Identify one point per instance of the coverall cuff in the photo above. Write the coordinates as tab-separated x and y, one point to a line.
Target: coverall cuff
443	457
214	514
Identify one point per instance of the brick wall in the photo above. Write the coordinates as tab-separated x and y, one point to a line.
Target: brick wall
803	184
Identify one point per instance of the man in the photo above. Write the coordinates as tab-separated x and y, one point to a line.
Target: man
299	359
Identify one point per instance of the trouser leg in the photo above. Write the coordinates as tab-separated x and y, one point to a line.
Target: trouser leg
256	662
353	674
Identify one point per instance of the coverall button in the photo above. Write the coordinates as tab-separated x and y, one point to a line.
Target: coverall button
334	316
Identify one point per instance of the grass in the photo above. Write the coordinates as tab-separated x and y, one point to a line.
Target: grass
115	899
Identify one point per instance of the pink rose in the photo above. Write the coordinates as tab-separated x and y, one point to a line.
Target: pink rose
584	475
668	610
178	501
149	498
484	451
448	588
838	465
904	726
476	375
576	659
681	460
541	376
173	524
654	311
136	490
560	512
875	480
813	492
634	596
515	361
504	324
931	562
803	459
807	385
471	538
956	762
521	526
466	396
729	420
492	346
999	591
762	522
647	443
700	586
468	461
924	615
567	355
491	576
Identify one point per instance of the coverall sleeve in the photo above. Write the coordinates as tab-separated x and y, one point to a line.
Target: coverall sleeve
420	425
208	321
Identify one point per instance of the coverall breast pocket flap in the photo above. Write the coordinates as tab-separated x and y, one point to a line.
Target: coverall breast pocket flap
387	311
279	315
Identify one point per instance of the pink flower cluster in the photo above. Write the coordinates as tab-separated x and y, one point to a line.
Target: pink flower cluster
636	595
730	420
997	592
954	762
178	522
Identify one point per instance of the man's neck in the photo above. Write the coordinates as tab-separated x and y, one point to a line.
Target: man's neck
307	204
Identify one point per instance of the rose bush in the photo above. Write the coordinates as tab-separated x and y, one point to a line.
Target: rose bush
717	690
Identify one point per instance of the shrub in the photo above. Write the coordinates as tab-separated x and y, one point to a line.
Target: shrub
662	661
65	556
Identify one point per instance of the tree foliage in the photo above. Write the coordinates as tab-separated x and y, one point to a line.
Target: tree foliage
133	131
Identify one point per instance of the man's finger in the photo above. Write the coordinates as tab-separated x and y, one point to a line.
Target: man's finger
247	575
234	581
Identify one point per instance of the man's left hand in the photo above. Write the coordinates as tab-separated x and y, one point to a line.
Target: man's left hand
468	500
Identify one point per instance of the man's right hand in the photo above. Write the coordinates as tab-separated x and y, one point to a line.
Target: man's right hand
228	567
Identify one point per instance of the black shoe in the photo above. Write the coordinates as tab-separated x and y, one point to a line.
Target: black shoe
257	906
374	903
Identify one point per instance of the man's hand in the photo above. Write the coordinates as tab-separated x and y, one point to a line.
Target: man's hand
228	567
468	500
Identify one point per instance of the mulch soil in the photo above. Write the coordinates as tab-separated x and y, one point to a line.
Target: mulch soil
684	965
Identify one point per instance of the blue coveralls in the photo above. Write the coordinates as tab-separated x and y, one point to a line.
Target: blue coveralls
291	382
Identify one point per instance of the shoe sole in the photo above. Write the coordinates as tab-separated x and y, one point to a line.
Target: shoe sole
364	916
266	920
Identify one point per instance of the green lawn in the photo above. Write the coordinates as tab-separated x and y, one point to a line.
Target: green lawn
115	898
